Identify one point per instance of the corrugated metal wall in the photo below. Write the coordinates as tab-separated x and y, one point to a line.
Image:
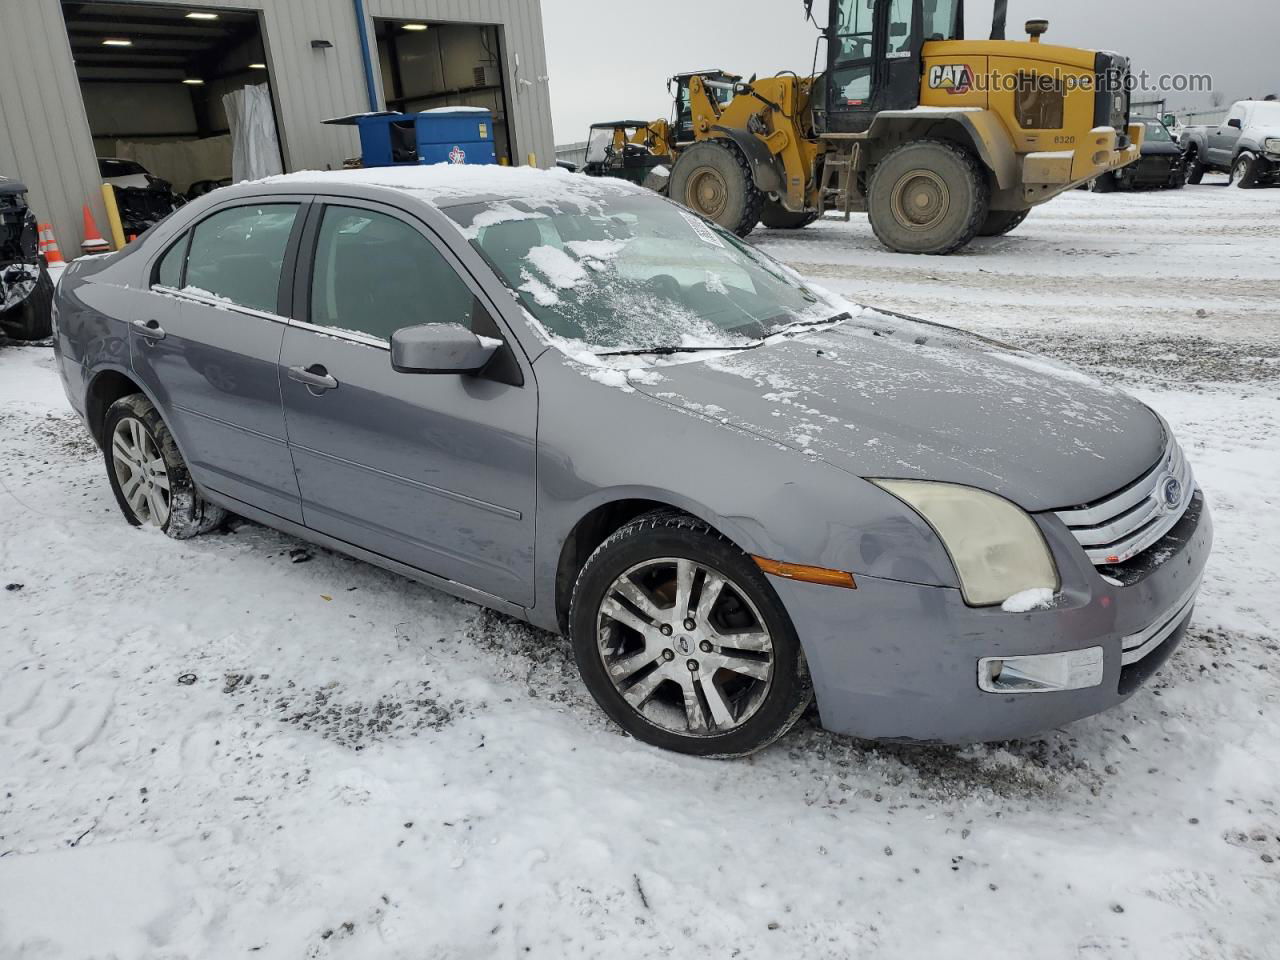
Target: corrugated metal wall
45	139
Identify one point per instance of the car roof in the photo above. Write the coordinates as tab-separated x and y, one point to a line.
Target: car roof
8	186
447	185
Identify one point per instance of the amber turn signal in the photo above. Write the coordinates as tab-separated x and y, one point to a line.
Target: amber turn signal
795	571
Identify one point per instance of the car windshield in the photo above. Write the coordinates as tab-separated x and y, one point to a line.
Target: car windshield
1266	112
1158	132
635	272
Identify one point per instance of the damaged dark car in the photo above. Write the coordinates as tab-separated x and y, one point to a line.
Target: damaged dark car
1160	167
26	289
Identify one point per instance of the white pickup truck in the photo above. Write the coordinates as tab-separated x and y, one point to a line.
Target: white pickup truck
1246	146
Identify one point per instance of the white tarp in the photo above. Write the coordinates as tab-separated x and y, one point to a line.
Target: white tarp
255	147
181	162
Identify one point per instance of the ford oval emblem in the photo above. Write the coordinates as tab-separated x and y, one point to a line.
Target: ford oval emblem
1173	493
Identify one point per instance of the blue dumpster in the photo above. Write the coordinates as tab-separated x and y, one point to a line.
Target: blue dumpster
446	135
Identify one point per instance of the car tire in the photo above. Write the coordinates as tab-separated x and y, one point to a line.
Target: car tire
1244	172
1001	222
648	670
1195	169
148	476
777	217
713	178
33	318
949	201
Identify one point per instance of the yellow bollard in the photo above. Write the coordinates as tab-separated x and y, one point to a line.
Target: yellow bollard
533	159
113	216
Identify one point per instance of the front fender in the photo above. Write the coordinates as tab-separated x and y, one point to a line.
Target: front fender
765	167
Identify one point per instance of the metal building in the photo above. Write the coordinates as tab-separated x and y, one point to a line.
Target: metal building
148	79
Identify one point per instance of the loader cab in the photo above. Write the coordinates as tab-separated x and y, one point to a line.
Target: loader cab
719	85
874	50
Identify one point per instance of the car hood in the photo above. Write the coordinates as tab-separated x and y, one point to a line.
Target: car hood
1161	148
883	396
1261	131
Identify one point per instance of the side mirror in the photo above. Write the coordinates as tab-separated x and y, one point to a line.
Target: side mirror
897	29
1233	122
440	348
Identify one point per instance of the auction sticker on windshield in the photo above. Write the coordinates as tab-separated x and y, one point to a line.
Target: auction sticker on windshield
704	232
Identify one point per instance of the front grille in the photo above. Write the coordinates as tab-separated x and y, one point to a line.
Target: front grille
1124	525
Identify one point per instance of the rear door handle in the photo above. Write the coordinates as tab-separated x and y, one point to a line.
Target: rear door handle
150	329
314	376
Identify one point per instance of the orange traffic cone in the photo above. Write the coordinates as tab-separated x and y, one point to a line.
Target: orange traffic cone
49	245
93	242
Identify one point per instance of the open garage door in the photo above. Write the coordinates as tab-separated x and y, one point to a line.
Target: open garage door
426	65
176	97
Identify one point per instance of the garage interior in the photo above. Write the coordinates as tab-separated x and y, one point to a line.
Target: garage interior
426	65
154	78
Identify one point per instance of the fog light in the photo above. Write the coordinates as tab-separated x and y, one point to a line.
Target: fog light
1047	673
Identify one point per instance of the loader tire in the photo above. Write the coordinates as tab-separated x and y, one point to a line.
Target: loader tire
777	217
1000	222
928	197
715	180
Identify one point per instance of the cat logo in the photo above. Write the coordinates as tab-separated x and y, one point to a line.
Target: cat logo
955	78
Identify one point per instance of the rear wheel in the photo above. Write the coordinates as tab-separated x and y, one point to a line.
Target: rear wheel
1194	169
148	475
683	642
1000	222
713	179
929	196
777	217
33	318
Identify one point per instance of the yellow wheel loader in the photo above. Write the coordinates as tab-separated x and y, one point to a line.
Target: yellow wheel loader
939	139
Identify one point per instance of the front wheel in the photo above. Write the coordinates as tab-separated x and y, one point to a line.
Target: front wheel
929	197
1106	183
683	642
148	475
1245	172
1000	222
714	179
33	318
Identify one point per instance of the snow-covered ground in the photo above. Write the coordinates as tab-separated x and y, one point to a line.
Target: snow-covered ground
243	746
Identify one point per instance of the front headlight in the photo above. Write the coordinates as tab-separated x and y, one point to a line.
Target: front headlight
997	549
1272	145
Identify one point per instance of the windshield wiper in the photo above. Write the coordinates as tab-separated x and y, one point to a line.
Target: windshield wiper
670	351
838	318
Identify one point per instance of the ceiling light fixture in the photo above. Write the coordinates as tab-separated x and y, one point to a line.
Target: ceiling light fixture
416	27
202	16
193	82
117	43
257	66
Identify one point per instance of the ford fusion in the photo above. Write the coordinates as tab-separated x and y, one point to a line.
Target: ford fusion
575	402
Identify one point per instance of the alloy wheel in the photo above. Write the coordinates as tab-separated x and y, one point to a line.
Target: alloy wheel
685	647
141	472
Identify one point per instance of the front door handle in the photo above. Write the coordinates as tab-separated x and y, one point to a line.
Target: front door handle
150	329
315	377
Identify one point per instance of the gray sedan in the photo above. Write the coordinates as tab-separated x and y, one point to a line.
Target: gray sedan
573	401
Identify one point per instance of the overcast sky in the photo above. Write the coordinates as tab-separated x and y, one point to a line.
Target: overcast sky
610	60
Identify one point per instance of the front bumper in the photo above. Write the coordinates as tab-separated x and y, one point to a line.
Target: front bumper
900	661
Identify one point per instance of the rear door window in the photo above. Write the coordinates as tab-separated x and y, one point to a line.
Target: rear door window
237	255
169	271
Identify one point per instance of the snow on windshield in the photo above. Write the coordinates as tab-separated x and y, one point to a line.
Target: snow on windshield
630	271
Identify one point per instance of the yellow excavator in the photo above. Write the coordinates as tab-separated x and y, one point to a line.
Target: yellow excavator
937	138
